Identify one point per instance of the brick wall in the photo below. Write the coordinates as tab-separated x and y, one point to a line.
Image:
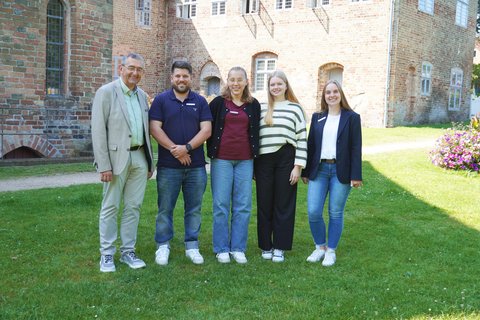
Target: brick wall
352	36
304	43
149	41
54	126
436	39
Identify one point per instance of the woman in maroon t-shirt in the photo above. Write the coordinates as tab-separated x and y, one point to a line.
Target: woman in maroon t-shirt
232	147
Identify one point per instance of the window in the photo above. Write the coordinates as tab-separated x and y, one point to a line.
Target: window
455	96
142	12
55	48
461	16
213	86
263	66
250	6
426	6
283	4
359	1
317	3
218	8
336	74
187	9
426	81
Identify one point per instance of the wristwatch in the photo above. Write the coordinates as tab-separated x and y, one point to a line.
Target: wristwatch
189	147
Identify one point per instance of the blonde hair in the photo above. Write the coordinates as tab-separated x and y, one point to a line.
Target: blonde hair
343	101
246	95
289	95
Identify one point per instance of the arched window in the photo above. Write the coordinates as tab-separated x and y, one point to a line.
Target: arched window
336	74
456	83
426	83
55	48
264	63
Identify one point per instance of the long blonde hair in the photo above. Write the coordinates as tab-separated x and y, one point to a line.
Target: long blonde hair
343	101
246	95
289	95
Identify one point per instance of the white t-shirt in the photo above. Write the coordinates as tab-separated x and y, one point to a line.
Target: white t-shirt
329	140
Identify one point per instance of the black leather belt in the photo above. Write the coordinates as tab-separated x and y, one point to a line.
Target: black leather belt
135	148
329	160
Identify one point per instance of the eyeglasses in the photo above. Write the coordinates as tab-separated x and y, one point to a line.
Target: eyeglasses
132	68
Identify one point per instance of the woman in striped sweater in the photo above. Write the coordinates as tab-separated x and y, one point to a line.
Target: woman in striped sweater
283	154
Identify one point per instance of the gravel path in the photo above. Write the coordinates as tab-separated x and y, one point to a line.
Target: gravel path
93	177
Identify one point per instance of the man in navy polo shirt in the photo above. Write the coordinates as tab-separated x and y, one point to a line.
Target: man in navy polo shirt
180	121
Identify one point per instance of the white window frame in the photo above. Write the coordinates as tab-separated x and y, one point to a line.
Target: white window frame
426	79
186	9
358	1
455	92
250	6
219	7
261	75
317	3
283	4
461	14
143	10
426	6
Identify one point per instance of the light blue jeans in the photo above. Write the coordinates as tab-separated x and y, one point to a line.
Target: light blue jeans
170	181
326	182
231	191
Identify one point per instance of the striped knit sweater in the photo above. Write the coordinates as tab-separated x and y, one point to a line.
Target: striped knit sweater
289	126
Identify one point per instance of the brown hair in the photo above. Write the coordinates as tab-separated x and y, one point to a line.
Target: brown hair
343	101
289	95
246	95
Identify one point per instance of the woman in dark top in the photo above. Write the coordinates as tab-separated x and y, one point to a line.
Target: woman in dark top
232	147
334	165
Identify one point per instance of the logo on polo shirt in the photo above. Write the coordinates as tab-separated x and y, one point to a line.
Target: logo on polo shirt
191	104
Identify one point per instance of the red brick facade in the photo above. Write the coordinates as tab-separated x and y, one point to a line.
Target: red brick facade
149	41
378	47
51	125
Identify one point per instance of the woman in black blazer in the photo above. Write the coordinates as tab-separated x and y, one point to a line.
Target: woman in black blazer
334	165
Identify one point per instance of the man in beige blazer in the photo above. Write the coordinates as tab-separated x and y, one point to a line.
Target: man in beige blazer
123	157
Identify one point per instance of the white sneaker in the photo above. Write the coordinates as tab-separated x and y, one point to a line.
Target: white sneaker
330	258
194	255
239	257
161	255
267	255
316	255
278	256
223	257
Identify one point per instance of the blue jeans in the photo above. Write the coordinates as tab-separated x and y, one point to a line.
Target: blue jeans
192	182
231	190
325	182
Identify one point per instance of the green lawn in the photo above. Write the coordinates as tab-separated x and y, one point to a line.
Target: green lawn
410	250
373	136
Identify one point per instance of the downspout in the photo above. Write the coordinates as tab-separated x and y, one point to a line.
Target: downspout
387	81
165	49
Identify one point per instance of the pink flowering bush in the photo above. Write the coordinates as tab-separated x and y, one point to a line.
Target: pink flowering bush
459	148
